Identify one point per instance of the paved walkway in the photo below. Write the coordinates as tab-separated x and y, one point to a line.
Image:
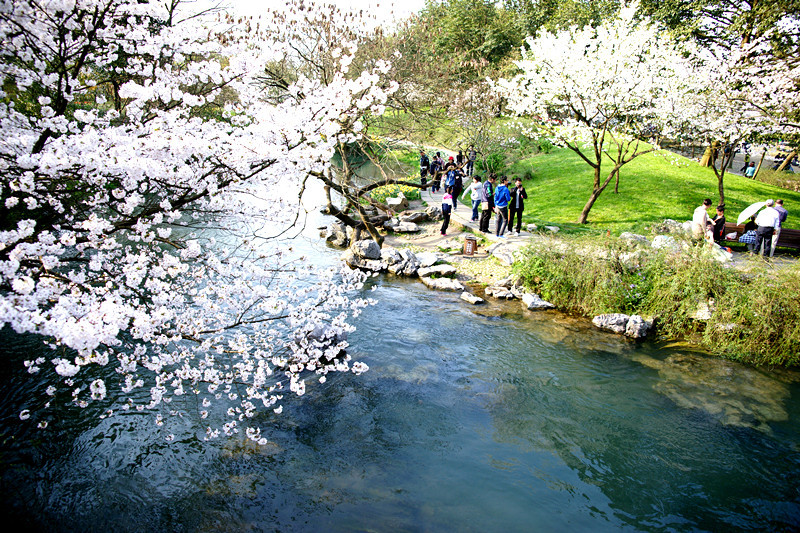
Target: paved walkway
463	215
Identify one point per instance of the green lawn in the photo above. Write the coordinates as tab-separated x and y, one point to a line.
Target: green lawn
651	189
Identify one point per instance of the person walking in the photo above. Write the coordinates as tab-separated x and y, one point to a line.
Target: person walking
746	161
517	205
768	220
451	175
447	207
424	168
502	197
474	191
471	157
487	203
782	214
458	186
436	168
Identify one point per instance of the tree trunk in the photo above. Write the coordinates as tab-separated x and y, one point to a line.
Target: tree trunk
588	207
760	162
597	190
616	184
787	161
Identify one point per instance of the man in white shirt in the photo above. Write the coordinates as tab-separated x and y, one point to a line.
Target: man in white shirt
768	220
782	214
701	225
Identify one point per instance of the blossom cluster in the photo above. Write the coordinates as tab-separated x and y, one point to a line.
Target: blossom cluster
145	176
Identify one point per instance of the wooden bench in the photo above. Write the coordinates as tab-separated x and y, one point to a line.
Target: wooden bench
789	238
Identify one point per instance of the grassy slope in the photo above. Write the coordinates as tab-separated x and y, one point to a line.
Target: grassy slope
651	189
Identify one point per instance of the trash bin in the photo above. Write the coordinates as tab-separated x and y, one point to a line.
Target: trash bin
470	244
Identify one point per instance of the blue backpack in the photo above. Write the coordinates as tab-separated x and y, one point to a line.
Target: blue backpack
451	178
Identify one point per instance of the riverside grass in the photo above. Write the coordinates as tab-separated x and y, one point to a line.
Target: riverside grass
652	187
754	317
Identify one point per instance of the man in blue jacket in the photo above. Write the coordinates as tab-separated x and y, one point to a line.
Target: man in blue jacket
501	199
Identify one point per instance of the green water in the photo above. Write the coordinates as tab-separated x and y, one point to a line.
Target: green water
470	419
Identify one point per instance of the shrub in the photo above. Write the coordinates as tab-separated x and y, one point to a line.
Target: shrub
545	146
755	318
388	191
494	162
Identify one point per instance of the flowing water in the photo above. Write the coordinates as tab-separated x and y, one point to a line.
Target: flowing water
470	419
477	418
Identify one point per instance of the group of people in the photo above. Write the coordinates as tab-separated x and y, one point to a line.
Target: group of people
507	204
761	232
452	170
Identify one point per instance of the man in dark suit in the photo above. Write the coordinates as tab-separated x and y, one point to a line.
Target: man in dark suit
517	205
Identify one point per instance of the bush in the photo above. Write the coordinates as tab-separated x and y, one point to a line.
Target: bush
783	179
494	162
545	146
755	318
388	191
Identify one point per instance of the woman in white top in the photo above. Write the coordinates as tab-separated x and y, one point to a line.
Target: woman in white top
474	191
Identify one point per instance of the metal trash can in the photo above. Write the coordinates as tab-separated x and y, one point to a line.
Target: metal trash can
470	244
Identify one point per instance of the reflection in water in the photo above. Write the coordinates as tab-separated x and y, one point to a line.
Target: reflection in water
470	419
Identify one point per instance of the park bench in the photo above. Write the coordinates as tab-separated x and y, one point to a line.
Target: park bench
789	238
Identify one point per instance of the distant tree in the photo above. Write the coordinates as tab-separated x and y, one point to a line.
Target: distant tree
602	92
533	15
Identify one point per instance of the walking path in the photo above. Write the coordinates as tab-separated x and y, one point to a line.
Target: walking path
463	216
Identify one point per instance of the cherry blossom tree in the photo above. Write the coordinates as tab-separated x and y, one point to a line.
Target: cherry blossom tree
147	174
602	92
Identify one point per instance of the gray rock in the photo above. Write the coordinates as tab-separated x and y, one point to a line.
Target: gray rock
534	302
665	242
637	327
367	249
337	234
407	268
378	220
471	298
669	226
615	322
404	263
501	293
406	227
554	229
427	259
505	252
443	284
506	282
631	260
532	227
391	256
704	311
447	271
372	265
399	203
634	238
721	255
415	217
434	212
